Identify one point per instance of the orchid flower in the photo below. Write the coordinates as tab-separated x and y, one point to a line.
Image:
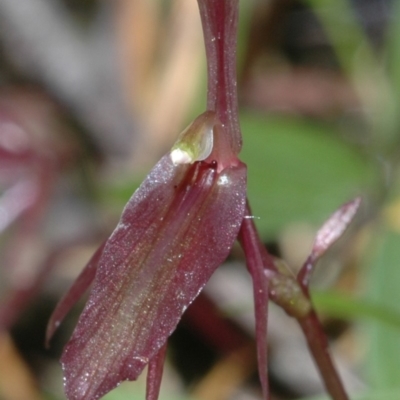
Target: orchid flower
176	229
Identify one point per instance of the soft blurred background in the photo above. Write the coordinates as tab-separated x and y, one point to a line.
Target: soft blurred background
93	92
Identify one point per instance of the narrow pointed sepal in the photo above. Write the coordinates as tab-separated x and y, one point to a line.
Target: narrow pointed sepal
255	257
178	227
334	227
75	292
261	298
154	374
326	236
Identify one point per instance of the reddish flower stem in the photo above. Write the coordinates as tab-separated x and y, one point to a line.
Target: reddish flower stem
219	19
318	345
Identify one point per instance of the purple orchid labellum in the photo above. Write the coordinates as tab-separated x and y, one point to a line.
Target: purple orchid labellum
177	228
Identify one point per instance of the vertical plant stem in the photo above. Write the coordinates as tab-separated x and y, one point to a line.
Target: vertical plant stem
318	345
219	19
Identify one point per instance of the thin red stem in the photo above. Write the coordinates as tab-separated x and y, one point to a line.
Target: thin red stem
318	345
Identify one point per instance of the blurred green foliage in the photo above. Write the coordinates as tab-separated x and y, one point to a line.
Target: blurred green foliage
343	306
383	277
373	395
299	170
381	273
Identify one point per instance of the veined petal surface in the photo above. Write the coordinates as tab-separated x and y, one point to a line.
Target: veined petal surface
177	228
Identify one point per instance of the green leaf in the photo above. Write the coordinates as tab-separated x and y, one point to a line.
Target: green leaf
343	306
360	63
299	171
383	356
371	395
